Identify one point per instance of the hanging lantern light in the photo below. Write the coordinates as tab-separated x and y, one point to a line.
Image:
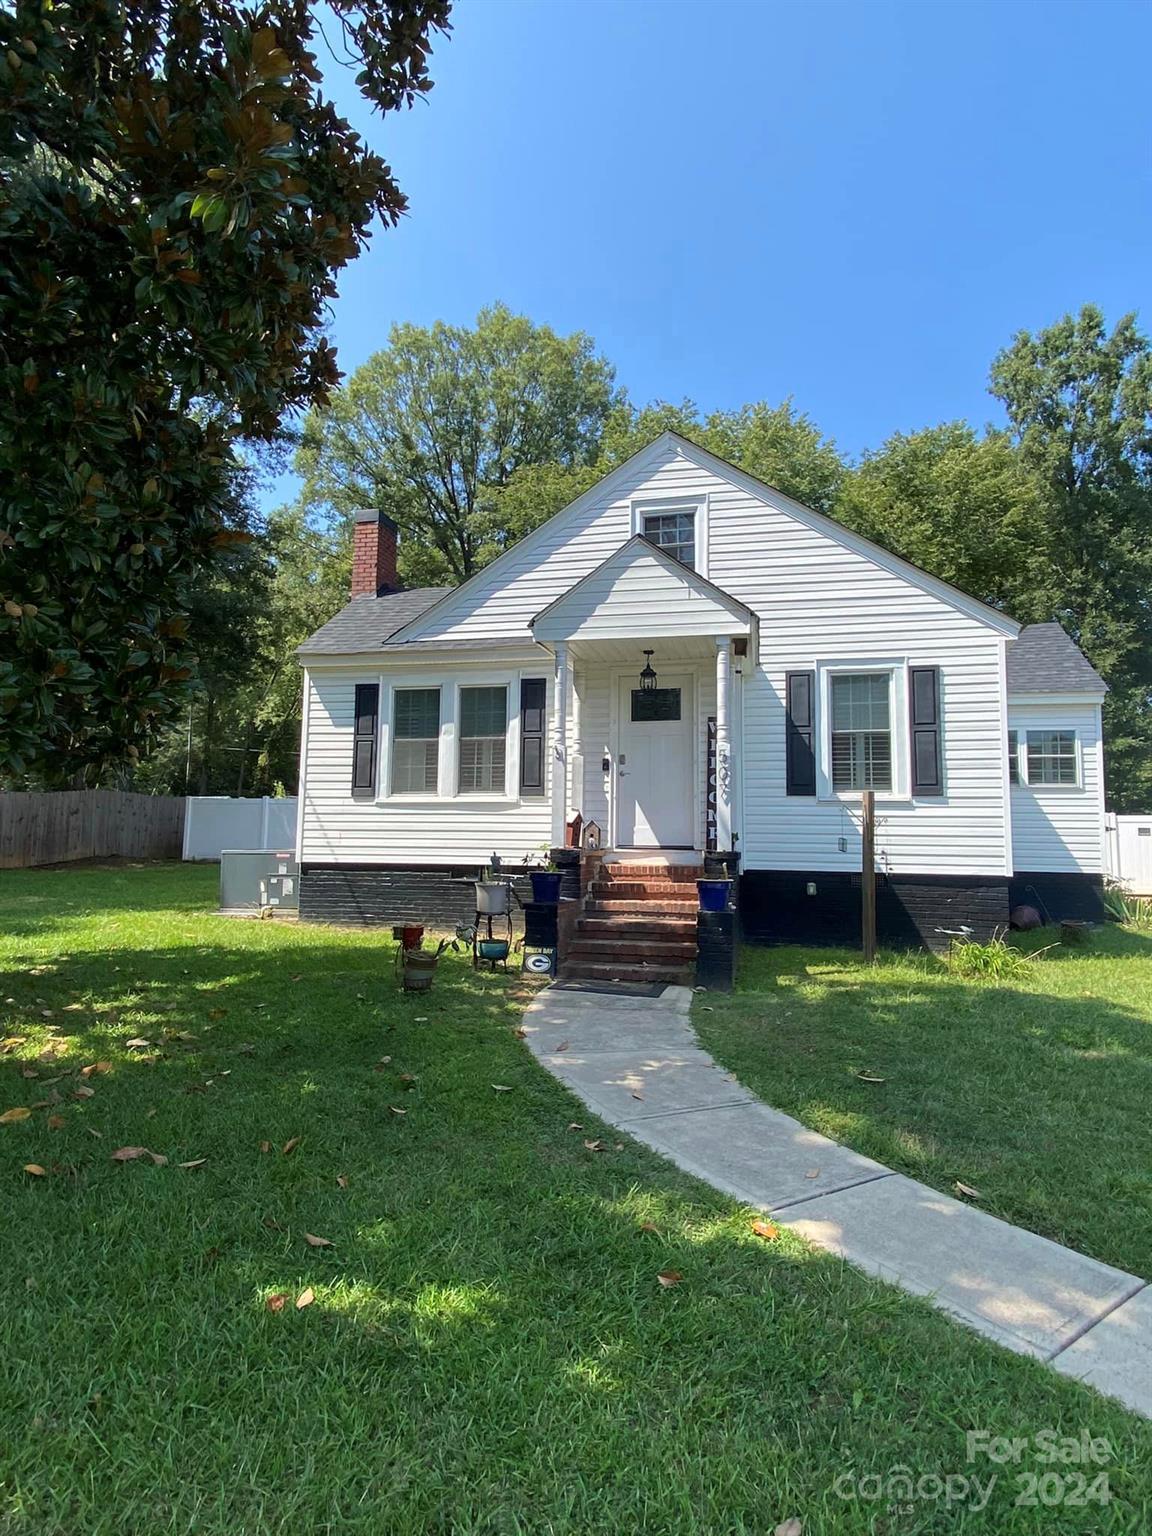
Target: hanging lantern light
648	675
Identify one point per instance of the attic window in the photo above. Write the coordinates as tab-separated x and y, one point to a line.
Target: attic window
675	533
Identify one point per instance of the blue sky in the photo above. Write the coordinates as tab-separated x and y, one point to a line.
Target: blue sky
852	204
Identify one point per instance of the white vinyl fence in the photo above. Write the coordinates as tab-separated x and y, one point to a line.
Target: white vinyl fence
215	822
1128	852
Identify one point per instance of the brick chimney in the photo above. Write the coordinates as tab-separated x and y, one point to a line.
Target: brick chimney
374	554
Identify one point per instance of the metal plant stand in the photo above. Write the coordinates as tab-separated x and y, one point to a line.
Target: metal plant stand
484	936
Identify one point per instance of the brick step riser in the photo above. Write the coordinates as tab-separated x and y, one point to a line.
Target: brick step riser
646	890
670	975
632	908
680	876
672	929
630	950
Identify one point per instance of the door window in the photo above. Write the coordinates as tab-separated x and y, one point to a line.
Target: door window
655	704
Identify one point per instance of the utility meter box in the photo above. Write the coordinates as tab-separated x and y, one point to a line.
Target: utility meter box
254	880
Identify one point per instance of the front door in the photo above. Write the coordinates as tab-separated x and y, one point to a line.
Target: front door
655	771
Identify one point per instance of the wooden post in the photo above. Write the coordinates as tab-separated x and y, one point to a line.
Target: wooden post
868	873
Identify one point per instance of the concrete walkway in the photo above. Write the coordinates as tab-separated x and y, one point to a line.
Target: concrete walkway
638	1064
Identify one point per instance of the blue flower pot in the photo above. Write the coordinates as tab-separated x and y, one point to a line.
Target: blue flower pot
545	886
713	895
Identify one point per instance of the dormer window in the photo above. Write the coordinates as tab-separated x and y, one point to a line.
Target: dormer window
675	533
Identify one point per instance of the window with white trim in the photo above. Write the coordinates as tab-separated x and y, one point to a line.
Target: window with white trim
483	740
1013	758
1052	757
415	741
861	709
675	533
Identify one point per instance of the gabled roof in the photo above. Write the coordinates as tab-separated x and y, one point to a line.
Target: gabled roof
686	581
1044	658
367	622
704	459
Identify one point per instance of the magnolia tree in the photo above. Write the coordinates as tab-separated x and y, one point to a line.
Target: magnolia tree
176	199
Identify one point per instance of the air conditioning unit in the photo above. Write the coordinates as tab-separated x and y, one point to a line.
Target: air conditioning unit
257	880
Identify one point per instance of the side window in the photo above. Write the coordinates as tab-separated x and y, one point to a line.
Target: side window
1052	757
415	741
861	731
483	740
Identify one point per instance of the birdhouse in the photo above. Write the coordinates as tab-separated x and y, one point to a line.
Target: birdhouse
592	834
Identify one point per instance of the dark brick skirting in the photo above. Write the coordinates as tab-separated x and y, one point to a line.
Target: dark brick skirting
716	950
1057	897
379	895
775	907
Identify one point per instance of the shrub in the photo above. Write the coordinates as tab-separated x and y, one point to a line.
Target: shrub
992	961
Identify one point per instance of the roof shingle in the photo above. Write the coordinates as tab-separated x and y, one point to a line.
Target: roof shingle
366	623
1045	659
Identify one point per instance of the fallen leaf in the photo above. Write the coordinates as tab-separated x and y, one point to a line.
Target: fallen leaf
792	1527
594	1146
55	1122
870	1077
563	1046
11	1116
318	1242
215	1013
966	1189
669	1277
305	1298
36	1170
83	1092
341	1181
766	1229
265	1146
92	1131
619	1146
129	1154
94	1067
649	1226
813	1173
73	1007
290	1145
637	1095
502	1087
158	1158
575	1125
520	1032
30	1074
276	1303
196	1162
11	1043
139	1044
46	1013
407	1077
149	1113
273	1225
396	1111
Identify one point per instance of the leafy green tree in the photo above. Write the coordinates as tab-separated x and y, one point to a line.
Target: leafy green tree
960	505
176	197
1079	404
432	428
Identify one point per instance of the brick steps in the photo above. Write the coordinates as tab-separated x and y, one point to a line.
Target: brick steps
644	890
637	907
622	970
673	951
645	927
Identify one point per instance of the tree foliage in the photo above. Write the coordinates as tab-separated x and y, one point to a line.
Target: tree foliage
432	429
1079	403
176	197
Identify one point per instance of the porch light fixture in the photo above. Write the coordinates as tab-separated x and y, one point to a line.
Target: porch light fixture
648	675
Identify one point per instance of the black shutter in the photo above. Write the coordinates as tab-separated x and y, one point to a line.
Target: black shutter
924	722
533	725
800	733
364	738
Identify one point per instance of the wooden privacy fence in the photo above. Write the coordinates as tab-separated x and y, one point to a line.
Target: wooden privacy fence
55	828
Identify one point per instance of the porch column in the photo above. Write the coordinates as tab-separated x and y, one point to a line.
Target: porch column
723	746
560	747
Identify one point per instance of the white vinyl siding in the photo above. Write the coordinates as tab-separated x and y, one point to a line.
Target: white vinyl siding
1058	826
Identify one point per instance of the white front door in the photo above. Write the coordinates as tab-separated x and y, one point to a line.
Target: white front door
655	769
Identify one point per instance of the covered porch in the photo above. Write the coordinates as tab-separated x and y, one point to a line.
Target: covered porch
648	657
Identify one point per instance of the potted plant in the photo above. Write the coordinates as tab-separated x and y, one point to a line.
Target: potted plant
544	875
713	895
418	966
493	894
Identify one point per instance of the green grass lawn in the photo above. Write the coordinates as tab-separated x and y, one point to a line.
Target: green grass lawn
488	1349
1036	1092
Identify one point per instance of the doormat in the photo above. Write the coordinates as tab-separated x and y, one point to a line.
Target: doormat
612	988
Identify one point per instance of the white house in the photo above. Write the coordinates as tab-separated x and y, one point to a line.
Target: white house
795	663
